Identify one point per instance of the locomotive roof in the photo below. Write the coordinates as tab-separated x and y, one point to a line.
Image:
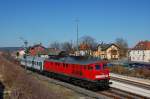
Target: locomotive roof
74	60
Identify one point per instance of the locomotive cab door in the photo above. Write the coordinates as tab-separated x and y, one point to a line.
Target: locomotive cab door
89	72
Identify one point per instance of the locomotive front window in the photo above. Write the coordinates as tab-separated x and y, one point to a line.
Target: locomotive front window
97	67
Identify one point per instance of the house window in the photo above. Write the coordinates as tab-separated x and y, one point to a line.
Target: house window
114	52
99	48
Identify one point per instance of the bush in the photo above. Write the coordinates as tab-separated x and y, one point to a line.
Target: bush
119	69
21	84
137	72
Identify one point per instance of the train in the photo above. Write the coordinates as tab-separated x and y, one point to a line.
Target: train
89	73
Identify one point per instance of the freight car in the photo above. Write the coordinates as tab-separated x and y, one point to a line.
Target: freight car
89	73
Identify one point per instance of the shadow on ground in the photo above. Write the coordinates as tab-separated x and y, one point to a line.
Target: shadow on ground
2	87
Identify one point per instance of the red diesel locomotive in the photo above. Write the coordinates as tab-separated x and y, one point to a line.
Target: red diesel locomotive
90	73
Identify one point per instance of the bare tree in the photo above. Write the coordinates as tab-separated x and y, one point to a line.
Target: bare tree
67	46
123	45
88	40
55	45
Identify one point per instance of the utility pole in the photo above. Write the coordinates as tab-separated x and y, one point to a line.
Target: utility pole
26	45
77	30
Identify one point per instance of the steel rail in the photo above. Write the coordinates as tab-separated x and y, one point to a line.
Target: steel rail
138	84
119	94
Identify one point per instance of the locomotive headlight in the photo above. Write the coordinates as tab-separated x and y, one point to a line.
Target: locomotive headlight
101	76
106	75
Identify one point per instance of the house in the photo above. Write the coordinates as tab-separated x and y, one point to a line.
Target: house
107	51
84	50
141	52
37	49
20	53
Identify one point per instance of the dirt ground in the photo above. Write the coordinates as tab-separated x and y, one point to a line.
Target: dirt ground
22	85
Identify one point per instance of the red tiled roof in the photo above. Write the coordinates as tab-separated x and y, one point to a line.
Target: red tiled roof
38	45
142	45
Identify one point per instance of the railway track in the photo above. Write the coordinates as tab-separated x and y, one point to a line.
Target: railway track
138	84
120	94
112	93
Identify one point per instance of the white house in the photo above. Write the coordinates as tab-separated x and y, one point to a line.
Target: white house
21	53
84	49
141	52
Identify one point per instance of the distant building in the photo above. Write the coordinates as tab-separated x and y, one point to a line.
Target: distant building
107	51
141	52
20	53
84	50
37	49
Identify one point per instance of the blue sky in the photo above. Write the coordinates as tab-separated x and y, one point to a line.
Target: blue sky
47	21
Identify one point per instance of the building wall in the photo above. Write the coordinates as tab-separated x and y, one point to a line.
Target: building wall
83	52
109	54
140	55
21	52
36	50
